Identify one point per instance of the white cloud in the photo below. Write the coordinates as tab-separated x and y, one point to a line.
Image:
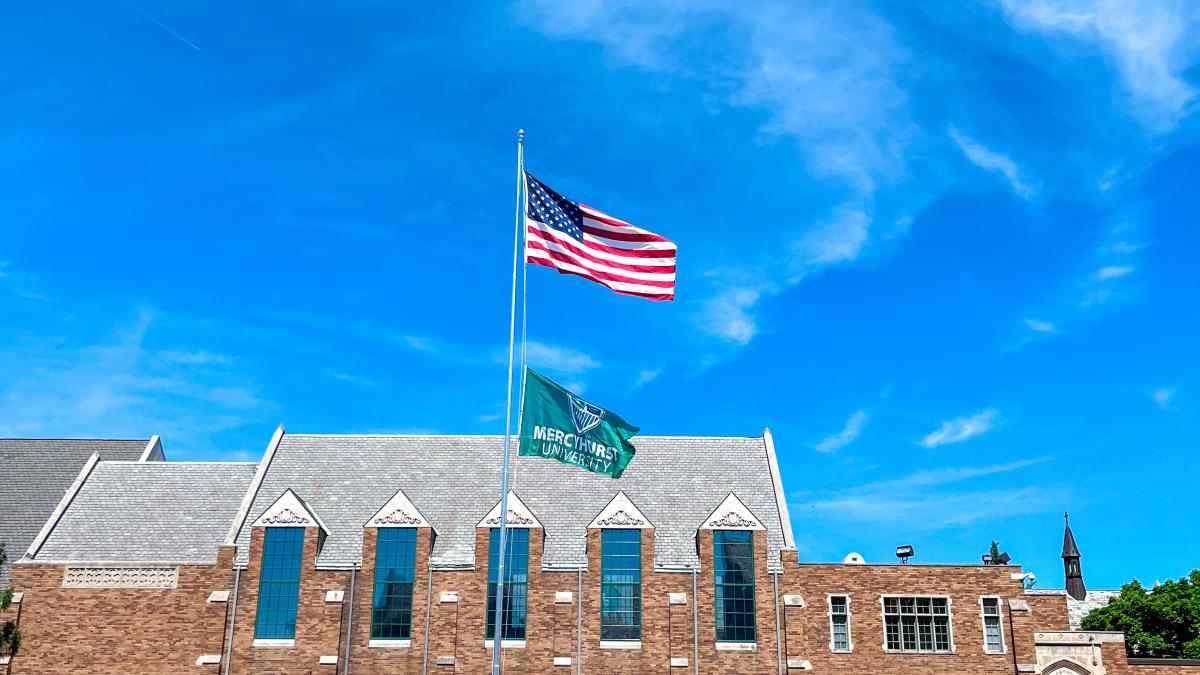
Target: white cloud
1163	398
1148	42
350	377
929	502
962	428
138	381
729	315
1112	272
561	360
987	159
1039	326
826	74
847	435
645	377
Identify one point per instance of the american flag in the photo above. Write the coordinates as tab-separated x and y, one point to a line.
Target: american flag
577	239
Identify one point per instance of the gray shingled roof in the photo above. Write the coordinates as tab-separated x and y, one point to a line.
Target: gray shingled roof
454	482
150	512
34	475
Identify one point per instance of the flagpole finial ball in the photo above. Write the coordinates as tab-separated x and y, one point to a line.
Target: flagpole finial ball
520	133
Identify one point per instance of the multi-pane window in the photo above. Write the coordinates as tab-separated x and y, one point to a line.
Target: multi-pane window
279	584
620	584
733	564
516	583
839	623
917	624
993	634
395	565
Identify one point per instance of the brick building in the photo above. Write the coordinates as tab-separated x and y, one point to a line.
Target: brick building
375	554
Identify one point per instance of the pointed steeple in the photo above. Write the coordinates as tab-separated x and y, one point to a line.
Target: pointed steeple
1071	568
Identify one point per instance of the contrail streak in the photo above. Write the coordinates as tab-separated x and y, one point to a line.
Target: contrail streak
167	28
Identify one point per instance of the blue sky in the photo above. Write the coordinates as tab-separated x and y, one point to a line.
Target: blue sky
946	253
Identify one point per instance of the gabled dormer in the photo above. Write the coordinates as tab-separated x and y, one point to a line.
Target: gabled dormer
292	511
399	511
732	514
621	513
519	515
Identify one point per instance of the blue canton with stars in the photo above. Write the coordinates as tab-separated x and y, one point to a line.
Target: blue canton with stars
547	206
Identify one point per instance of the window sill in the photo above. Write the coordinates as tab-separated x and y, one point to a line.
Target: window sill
620	644
271	642
843	651
393	644
737	646
505	644
901	652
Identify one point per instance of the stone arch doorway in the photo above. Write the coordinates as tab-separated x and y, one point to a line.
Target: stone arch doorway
1065	668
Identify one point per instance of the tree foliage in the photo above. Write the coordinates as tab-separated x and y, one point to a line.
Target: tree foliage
1163	622
10	635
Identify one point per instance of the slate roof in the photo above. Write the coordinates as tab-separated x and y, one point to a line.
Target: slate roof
34	475
150	512
454	482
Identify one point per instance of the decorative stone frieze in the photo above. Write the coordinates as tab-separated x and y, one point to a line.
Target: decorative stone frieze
121	577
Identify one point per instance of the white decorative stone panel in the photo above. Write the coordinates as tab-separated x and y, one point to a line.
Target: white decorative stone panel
732	514
679	662
449	597
334	597
519	515
620	513
677	598
121	577
399	511
218	596
799	664
208	659
445	660
562	660
563	597
289	511
793	601
330	660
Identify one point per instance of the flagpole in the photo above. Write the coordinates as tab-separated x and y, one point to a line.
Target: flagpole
498	631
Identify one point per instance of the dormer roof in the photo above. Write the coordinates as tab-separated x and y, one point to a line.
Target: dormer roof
519	515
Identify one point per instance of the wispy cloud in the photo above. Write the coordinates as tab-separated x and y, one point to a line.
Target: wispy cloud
990	160
847	435
827	75
1148	41
932	499
1112	272
560	360
351	378
961	428
1039	326
645	377
1163	398
139	380
167	28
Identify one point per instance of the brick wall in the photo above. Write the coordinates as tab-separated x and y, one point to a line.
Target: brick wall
134	631
119	631
807	634
318	623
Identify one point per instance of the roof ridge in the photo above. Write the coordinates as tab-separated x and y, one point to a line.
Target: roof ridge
703	438
84	440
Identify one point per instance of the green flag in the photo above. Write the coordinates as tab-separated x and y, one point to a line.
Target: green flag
559	424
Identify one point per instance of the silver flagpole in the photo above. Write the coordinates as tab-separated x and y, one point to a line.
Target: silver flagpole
498	624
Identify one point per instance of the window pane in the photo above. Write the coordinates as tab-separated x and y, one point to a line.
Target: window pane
733	565
395	565
279	584
516	583
621	585
917	624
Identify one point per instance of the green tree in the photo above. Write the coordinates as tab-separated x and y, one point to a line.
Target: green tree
994	553
10	635
1163	622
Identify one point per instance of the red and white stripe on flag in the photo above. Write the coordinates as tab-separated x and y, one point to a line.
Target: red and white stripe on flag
613	253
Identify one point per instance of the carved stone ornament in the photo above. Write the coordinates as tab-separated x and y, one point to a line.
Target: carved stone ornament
286	517
620	518
732	519
398	517
514	518
120	577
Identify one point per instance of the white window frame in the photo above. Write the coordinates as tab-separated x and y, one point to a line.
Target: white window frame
849	633
999	620
949	622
